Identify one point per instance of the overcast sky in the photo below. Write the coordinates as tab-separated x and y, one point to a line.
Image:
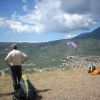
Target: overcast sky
47	20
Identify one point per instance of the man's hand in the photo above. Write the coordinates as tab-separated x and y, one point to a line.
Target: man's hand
26	58
9	65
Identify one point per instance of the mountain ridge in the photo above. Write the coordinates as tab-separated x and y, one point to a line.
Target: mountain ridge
95	34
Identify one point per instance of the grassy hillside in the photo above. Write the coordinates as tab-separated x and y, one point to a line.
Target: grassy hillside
50	54
73	84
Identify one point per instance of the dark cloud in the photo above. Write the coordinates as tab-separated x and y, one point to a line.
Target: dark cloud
75	6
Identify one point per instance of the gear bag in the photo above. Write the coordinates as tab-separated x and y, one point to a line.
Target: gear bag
26	91
91	69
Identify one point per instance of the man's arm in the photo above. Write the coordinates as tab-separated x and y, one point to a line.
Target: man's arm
7	62
25	59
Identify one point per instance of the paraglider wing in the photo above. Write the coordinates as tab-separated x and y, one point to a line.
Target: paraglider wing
73	44
68	43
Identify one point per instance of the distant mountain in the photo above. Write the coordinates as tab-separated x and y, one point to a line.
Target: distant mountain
94	34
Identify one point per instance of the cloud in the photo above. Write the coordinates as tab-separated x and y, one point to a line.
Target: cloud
33	41
13	16
3	23
24	1
75	6
20	28
25	8
69	36
55	16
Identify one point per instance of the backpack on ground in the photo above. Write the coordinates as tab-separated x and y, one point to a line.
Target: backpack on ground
26	91
91	69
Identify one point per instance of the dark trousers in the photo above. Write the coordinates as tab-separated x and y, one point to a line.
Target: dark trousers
16	73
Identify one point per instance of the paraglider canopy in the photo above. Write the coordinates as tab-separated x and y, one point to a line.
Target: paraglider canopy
73	44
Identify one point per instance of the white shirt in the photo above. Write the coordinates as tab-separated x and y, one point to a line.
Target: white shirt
15	57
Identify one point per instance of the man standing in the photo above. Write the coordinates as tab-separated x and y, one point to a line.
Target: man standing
14	60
